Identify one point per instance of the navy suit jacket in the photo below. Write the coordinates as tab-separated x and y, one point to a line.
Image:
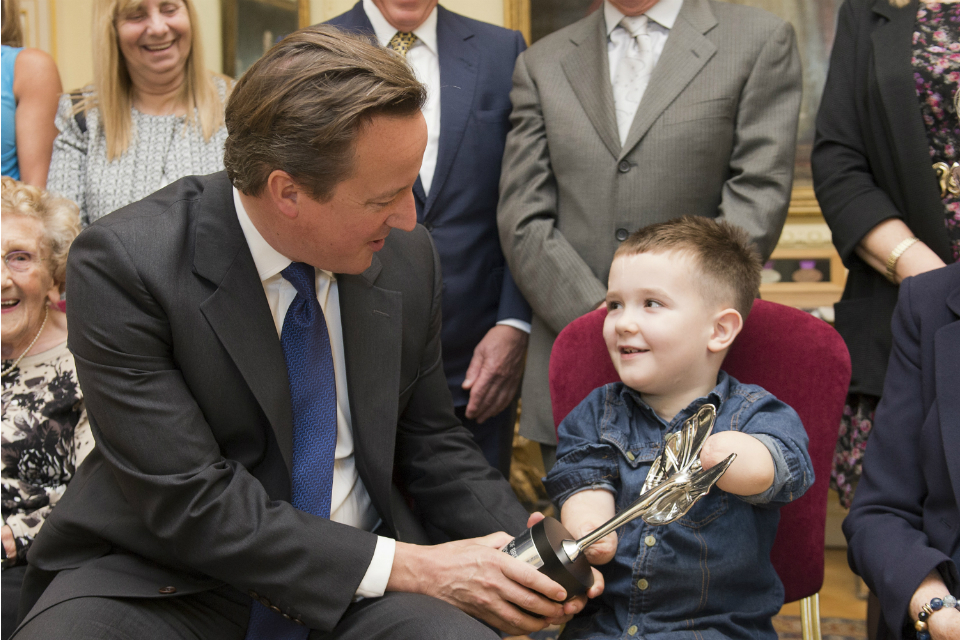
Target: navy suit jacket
904	521
476	69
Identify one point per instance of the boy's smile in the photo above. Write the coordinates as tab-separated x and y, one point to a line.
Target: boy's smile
660	330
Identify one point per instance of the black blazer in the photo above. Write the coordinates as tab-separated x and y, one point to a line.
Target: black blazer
186	388
871	162
460	212
904	521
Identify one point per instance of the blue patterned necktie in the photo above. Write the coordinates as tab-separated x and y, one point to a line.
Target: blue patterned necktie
313	395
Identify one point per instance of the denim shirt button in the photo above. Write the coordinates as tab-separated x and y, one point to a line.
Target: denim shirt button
631	457
632	630
649	541
643	584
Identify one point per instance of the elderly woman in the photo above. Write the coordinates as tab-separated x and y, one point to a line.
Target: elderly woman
153	114
904	526
45	429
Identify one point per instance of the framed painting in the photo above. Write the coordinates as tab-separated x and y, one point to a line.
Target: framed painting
250	27
814	22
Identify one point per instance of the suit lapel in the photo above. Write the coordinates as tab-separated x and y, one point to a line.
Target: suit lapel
238	311
685	53
372	338
946	345
459	63
588	72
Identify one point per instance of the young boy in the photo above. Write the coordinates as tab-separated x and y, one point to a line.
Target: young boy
677	296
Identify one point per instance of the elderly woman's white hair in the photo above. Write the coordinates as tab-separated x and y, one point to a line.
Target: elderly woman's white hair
60	218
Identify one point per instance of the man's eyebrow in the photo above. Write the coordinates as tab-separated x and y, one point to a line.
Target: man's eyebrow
387	195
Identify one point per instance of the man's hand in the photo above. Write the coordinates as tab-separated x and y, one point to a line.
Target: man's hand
479	579
494	372
576	604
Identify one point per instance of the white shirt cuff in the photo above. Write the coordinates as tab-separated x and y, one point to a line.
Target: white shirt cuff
374	582
516	324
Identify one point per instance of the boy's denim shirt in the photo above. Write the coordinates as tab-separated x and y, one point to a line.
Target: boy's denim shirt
707	575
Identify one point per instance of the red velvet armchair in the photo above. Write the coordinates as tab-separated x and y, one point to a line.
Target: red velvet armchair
798	358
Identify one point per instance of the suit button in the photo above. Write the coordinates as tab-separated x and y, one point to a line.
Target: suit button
622	234
287	616
274	608
299	622
167	590
624	166
253	594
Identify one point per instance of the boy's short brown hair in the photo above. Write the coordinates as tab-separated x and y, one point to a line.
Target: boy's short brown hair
301	106
728	262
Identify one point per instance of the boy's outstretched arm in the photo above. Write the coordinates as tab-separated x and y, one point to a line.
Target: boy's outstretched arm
585	511
750	474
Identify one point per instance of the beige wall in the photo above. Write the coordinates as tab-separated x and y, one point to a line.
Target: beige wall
72	26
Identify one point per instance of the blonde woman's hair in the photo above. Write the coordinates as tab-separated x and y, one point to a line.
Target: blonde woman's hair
60	219
112	89
899	4
12	36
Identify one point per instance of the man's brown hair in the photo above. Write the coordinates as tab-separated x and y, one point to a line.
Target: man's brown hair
723	253
301	106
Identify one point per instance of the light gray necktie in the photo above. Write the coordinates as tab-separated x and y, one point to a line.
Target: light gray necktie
633	73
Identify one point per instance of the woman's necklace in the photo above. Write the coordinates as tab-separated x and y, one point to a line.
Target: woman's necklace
27	350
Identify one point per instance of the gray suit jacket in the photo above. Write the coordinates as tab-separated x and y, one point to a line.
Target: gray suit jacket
186	388
714	136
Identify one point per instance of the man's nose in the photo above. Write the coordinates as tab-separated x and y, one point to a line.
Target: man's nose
404	217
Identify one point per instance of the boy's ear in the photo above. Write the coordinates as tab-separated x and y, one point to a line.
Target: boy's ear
726	327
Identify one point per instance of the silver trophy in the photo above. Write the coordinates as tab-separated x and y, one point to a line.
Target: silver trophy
675	482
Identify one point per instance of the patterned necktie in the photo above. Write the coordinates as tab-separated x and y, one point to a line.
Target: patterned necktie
313	395
401	42
633	73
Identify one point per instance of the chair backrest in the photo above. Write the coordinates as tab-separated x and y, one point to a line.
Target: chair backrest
798	358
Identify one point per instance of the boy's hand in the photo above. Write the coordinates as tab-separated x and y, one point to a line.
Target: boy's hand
585	511
751	473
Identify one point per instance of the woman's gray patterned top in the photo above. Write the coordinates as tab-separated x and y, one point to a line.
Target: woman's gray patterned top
45	437
162	150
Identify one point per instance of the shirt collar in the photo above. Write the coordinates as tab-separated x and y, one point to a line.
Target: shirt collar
269	261
717	396
664	13
426	32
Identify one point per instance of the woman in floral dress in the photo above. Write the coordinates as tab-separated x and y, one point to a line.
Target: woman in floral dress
45	428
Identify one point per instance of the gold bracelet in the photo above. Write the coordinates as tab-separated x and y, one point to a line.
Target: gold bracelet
895	256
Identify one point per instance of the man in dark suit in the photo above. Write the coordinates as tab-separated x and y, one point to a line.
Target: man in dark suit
261	367
466	66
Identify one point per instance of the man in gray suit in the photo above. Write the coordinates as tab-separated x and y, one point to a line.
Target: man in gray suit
641	112
259	352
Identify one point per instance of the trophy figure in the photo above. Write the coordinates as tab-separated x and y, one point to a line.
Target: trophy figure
675	482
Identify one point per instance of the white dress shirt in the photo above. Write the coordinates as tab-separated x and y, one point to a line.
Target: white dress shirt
349	503
424	58
660	20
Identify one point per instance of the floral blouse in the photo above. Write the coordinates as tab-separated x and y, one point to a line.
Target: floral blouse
936	71
45	437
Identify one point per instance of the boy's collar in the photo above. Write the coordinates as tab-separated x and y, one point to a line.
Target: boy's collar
717	396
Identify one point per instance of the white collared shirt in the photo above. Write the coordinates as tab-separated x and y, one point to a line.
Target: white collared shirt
660	20
349	502
424	58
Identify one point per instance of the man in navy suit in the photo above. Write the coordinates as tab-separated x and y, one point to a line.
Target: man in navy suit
467	67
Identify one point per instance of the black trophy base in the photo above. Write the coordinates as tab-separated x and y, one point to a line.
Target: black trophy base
541	546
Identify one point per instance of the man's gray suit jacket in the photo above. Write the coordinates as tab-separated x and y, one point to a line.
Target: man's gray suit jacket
186	388
714	135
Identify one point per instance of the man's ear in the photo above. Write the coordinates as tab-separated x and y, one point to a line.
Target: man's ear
284	193
726	327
